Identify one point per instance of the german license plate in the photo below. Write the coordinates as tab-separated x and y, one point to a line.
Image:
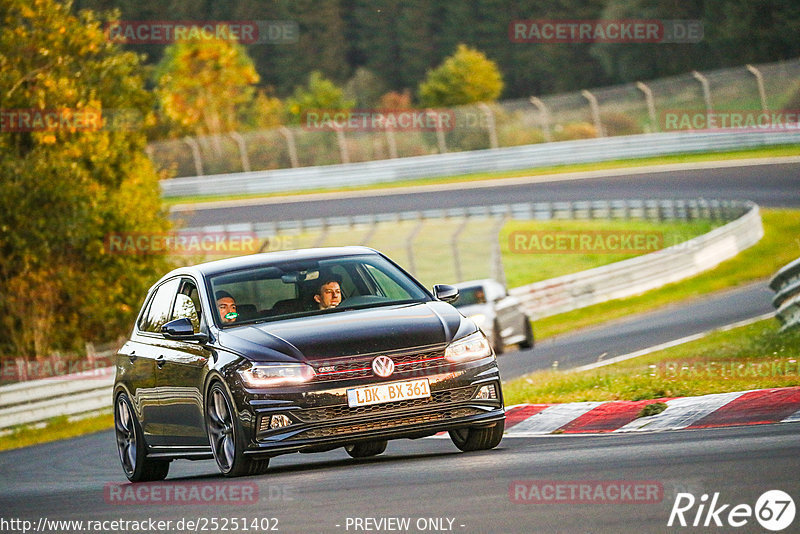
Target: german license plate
390	392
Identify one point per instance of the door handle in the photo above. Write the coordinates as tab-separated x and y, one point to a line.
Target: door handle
160	361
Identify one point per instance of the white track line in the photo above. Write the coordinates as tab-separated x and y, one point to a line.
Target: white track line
673	343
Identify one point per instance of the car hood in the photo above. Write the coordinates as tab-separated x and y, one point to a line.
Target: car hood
349	333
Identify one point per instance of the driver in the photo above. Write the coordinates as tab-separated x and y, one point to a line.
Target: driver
226	306
329	293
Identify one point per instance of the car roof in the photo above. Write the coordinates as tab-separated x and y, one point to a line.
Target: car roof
210	268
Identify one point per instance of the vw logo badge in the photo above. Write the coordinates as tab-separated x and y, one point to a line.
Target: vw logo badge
383	366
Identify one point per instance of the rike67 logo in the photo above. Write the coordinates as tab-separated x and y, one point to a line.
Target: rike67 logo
774	510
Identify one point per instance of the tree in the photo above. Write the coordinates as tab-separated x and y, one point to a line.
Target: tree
465	77
204	86
320	94
69	184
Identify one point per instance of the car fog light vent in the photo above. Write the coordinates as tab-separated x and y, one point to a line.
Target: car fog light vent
487	392
279	421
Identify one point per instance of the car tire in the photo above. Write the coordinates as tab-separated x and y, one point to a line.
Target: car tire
497	340
131	446
226	436
529	341
365	449
478	438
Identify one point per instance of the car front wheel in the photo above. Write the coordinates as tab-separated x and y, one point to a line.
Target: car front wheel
478	439
227	437
131	446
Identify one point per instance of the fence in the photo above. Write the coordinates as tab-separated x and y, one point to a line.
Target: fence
453	245
786	284
38	400
637	275
636	108
500	159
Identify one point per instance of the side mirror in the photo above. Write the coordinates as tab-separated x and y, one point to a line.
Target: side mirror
445	293
182	329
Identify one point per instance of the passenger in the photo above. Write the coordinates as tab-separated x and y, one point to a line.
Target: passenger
329	293
226	306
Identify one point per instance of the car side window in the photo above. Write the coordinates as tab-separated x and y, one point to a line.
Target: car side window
187	304
160	308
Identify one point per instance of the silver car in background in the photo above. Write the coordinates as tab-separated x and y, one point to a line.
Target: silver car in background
497	313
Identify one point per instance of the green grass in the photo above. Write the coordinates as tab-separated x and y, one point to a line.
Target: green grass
750	357
779	246
777	151
53	430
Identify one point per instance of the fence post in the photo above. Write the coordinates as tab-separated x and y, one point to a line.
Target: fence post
410	244
323	235
598	125
706	90
343	152
490	124
454	246
498	273
236	136
372	229
392	142
198	162
439	134
544	117
651	104
290	144
761	92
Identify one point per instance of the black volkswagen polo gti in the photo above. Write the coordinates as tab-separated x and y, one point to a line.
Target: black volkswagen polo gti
243	359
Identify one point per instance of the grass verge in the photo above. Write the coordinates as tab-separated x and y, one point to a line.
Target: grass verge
750	357
779	246
55	429
771	152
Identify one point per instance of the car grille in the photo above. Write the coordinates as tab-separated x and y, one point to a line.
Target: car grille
315	415
385	424
361	367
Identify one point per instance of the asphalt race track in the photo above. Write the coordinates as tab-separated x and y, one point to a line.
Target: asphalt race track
428	482
767	185
428	478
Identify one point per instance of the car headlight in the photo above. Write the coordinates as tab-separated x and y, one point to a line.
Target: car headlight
473	347
478	319
276	374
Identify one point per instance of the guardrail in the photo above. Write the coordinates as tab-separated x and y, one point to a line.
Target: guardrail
786	284
637	275
459	163
75	394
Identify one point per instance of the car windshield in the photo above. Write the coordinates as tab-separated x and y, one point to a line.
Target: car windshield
309	287
468	296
